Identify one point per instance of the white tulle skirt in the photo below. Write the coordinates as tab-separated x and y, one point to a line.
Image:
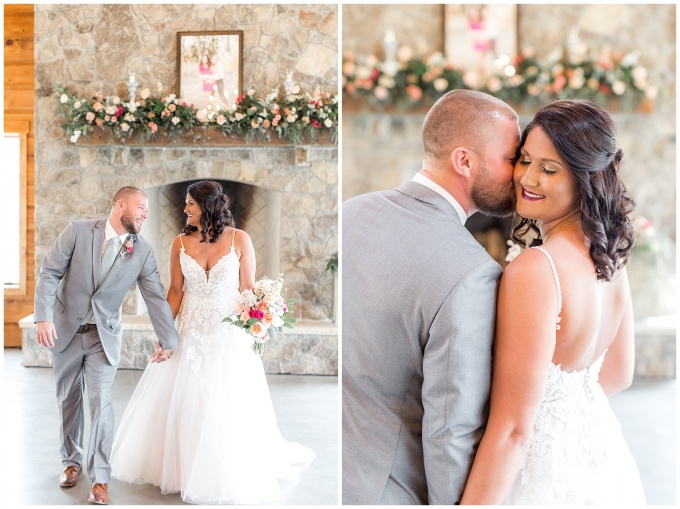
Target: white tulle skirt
202	424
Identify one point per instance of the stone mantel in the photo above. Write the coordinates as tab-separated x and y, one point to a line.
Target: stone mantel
197	137
355	106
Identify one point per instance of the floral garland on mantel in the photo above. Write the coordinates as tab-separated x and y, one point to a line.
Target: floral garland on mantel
412	82
292	117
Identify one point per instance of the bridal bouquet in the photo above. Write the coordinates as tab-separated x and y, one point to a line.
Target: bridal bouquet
261	309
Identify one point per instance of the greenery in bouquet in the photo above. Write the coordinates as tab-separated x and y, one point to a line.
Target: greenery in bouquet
262	310
577	73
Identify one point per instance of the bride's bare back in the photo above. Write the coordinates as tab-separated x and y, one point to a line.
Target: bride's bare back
596	315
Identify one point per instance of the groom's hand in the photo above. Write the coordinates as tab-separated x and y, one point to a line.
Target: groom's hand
45	333
161	355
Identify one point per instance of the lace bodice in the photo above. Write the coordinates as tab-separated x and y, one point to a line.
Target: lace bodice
220	283
216	287
209	297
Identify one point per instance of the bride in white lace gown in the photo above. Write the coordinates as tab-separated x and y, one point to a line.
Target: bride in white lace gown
202	423
564	330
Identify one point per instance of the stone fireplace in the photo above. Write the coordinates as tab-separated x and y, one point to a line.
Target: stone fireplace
288	194
256	210
285	197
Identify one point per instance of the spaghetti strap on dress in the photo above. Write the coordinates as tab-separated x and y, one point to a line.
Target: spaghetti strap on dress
557	283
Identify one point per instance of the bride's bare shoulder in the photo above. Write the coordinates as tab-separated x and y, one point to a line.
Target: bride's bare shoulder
238	235
177	243
530	269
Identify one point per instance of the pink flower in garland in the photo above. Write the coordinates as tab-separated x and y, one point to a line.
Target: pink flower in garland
153	127
414	92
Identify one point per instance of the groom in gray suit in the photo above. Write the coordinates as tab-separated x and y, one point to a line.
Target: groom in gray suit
418	308
78	302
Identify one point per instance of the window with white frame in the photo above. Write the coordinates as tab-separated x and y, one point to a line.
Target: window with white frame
11	166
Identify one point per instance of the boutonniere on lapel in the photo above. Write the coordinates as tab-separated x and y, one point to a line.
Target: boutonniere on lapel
128	247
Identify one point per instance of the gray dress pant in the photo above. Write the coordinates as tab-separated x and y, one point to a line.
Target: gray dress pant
83	362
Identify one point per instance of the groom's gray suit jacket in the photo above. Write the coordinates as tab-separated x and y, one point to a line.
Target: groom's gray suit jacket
418	316
67	287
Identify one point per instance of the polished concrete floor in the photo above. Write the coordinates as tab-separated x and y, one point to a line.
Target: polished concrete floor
647	413
306	408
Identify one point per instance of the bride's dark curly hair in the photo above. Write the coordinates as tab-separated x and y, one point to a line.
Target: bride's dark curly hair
584	136
214	207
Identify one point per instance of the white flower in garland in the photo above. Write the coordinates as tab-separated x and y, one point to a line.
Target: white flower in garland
618	87
63	99
75	136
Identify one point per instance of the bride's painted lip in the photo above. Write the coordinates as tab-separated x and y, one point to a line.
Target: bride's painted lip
531	196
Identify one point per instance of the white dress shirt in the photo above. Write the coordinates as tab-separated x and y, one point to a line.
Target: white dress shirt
422	179
109	234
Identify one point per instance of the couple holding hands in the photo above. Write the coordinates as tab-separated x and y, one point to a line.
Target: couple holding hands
201	420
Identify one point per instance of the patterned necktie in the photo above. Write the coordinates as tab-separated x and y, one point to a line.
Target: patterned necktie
104	269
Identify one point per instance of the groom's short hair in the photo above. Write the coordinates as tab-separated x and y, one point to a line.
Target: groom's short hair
125	192
462	118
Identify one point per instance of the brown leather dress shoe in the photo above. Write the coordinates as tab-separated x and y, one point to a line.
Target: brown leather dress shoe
99	494
69	477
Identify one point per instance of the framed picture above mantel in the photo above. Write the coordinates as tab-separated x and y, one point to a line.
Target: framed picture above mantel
210	69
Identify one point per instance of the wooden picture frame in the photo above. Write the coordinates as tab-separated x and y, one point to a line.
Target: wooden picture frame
477	35
210	69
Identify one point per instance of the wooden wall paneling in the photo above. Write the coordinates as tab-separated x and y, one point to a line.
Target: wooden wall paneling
19	106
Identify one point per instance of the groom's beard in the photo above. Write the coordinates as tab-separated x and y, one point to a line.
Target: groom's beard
128	222
495	199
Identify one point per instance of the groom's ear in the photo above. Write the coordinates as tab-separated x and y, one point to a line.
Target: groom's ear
461	161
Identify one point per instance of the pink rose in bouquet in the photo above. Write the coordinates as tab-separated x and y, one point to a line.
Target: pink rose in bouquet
262	310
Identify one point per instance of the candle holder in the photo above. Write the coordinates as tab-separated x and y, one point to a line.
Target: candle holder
573	43
289	84
391	66
132	87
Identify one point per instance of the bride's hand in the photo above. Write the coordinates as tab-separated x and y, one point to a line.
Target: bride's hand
161	355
